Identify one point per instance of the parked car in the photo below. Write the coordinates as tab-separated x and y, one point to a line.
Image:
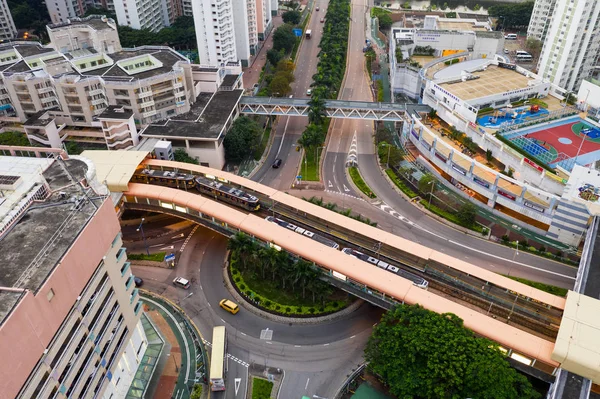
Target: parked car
322	20
308	92
229	306
506	51
138	281
181	283
317	8
277	163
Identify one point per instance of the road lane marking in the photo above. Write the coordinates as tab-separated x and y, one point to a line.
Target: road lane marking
243	333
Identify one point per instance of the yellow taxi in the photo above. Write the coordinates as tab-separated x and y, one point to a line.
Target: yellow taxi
229	306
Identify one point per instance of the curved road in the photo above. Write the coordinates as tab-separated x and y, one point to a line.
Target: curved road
316	358
391	211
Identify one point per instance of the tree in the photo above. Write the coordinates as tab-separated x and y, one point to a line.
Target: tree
316	112
101	11
197	392
180	155
303	273
468	142
466	214
534	46
516	15
419	353
426	182
14	138
291	17
488	155
280	86
383	134
284	38
312	137
73	148
241	139
274	56
385	21
389	154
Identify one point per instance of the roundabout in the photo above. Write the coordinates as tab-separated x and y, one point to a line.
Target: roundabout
316	358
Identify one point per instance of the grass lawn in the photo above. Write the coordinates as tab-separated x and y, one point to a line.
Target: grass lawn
541	286
360	183
261	389
263	144
310	167
157	257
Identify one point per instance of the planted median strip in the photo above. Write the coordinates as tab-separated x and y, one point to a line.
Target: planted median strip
157	257
360	183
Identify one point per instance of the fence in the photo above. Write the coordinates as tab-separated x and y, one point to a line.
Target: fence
350	383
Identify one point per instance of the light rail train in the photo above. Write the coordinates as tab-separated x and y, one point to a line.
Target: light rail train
416	280
304	232
204	184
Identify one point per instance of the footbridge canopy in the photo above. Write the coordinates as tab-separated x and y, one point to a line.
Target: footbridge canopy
333	108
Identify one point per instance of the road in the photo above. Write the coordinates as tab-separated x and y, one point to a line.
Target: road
289	129
343	131
172	233
316	359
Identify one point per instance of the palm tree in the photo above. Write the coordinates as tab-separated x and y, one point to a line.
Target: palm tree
285	268
242	246
269	259
303	273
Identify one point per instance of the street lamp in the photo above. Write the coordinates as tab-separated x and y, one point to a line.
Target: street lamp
516	253
141	228
431	192
503	21
317	154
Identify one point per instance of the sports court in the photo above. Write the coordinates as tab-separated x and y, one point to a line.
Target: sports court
560	141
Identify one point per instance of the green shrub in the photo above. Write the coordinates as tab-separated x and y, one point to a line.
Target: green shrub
249	293
288	309
360	183
311	310
277	307
267	303
237	279
242	287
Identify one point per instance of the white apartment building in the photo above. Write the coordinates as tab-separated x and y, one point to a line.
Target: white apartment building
540	19
145	14
67	95
215	31
69	309
7	25
571	46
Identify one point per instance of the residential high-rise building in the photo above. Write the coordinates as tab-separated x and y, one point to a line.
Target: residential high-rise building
572	42
145	14
215	31
69	308
540	19
7	25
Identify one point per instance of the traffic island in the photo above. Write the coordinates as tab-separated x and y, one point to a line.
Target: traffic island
264	382
263	307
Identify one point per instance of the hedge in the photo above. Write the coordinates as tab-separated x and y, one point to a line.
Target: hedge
541	286
360	183
157	257
524	153
400	184
277	308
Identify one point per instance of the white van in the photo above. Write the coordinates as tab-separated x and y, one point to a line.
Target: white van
511	36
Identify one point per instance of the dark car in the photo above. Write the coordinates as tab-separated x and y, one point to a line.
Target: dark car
277	163
138	281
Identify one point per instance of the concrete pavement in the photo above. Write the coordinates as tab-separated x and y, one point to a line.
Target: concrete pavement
252	73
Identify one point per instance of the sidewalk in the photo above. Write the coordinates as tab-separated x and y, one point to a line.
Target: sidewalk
252	73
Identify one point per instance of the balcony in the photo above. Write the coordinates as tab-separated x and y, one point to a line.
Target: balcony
98	101
95	92
148	114
146	104
49	99
177	85
144	94
45	90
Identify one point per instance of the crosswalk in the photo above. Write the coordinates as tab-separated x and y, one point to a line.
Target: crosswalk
229	356
389	210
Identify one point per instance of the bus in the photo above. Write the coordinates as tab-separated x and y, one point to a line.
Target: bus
308	33
524	57
217	359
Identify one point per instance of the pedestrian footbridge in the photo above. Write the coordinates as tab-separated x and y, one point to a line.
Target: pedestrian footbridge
391	112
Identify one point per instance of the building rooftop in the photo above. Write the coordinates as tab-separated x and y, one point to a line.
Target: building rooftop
33	245
583	188
98	22
229	80
207	125
115	112
8	299
493	80
459	25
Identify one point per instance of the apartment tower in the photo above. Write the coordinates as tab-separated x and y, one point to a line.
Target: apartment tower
69	309
572	41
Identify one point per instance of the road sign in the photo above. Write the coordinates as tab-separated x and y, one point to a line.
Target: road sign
297	32
299	177
170	257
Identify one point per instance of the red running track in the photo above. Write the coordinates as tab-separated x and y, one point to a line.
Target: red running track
552	135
